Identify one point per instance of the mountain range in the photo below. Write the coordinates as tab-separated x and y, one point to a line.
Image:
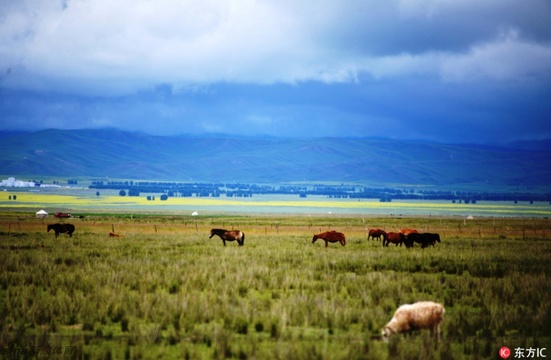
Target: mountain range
115	154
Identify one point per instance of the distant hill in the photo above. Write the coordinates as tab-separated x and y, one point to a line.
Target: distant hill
379	162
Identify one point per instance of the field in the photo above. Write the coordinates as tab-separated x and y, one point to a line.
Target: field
165	290
85	200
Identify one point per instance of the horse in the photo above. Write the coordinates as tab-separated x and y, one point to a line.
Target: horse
376	234
330	236
395	238
226	235
62	228
424	239
407	231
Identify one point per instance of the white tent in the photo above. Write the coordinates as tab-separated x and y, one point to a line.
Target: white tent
41	214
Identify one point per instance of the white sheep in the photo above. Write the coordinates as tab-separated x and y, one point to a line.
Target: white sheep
417	316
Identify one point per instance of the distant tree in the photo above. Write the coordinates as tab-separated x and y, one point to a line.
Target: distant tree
164	197
97	193
122	193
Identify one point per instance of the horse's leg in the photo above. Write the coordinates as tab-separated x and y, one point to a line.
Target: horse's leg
326	243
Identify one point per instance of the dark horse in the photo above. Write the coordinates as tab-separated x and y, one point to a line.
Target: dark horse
376	234
62	229
330	237
424	239
226	235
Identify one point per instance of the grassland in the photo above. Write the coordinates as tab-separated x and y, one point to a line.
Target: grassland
165	290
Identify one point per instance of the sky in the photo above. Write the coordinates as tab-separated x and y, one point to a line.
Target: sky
456	71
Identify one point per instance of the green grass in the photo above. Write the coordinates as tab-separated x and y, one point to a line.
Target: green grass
166	290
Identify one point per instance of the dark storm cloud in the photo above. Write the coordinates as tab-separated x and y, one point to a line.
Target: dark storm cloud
462	71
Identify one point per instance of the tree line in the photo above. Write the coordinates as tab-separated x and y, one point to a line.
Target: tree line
177	189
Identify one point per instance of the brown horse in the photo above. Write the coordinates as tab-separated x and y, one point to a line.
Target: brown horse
62	229
376	234
407	231
330	237
395	238
225	235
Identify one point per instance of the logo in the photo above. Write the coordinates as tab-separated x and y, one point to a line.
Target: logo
504	352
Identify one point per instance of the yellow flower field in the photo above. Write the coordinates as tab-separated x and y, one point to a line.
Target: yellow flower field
267	204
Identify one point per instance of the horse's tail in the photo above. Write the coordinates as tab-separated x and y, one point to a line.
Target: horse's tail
242	239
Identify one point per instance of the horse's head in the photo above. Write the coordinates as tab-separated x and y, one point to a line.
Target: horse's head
50	227
219	232
314	238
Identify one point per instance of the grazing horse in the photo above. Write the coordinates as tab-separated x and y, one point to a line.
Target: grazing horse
424	239
62	228
395	238
226	235
407	241
330	236
376	234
